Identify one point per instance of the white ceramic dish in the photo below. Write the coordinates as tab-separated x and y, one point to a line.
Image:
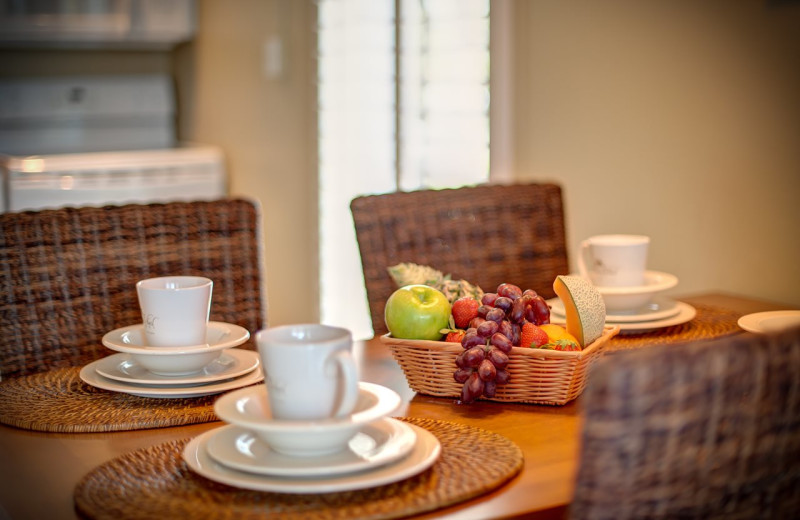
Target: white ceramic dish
231	363
626	299
425	452
659	308
685	313
770	321
375	444
249	408
176	361
89	375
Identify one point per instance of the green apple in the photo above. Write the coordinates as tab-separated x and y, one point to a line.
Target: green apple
417	312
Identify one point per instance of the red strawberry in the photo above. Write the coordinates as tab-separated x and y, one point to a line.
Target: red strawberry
562	344
464	309
532	336
455	336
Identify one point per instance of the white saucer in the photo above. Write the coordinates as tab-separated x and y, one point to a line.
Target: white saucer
770	321
685	313
425	452
249	408
377	443
219	336
90	376
659	308
232	363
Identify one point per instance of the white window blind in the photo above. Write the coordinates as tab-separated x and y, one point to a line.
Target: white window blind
403	103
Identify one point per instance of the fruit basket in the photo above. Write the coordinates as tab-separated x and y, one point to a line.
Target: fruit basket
538	376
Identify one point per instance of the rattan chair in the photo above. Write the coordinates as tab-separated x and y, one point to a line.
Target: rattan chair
68	276
703	430
486	235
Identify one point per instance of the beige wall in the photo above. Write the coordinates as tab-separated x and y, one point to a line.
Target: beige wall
265	127
679	120
676	119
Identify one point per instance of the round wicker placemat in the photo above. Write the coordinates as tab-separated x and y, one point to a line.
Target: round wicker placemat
155	483
58	401
710	322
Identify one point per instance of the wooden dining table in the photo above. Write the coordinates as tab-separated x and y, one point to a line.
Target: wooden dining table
39	471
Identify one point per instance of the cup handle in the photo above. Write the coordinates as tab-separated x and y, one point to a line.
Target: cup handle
348	367
582	255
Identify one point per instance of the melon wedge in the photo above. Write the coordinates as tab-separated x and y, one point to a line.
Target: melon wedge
584	307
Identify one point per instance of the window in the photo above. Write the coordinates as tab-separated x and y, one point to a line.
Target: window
403	103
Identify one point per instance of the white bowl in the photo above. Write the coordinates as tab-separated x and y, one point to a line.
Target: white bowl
629	299
249	408
176	361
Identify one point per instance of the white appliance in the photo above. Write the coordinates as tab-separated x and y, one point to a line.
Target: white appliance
74	141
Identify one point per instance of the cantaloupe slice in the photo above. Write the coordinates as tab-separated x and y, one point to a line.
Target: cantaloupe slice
584	307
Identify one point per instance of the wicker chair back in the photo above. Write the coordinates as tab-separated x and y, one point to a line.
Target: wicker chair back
68	276
700	430
486	235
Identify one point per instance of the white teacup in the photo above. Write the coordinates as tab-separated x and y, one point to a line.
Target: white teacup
614	260
310	373
175	310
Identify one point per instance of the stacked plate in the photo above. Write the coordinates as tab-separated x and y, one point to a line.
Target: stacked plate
258	452
640	308
175	372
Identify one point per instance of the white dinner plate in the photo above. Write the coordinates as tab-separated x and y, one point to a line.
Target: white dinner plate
90	376
378	443
685	313
659	308
424	453
770	321
219	336
232	363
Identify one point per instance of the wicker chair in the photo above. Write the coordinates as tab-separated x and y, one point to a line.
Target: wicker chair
67	276
703	430
486	235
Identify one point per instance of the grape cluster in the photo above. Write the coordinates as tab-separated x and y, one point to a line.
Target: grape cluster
490	336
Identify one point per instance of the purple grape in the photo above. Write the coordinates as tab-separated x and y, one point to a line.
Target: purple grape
488	299
487	328
474	356
473	388
496	315
489	388
509	290
460	363
503	303
477	320
462	374
483	310
501	342
517	311
498	357
516	334
530	314
541	310
472	339
502	377
487	371
505	329
530	292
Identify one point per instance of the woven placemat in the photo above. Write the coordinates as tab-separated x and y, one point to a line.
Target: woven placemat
710	322
58	401
155	483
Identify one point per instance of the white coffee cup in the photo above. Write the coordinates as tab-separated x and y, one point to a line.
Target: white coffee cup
175	310
614	260
310	373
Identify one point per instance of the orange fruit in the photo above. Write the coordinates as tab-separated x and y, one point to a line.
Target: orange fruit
557	332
